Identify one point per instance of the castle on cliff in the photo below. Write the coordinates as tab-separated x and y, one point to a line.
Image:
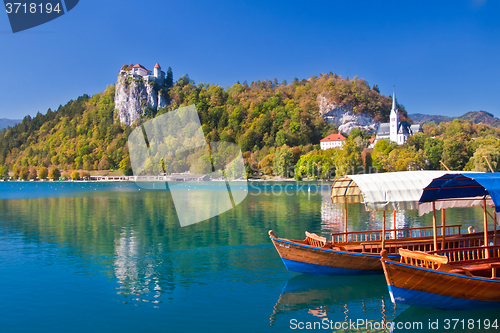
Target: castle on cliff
157	75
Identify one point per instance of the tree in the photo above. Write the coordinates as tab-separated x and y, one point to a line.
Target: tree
266	164
75	175
433	149
283	161
24	173
404	159
54	174
4	172
281	138
455	151
126	167
43	173
169	80
348	160
417	141
381	152
317	163
32	173
104	163
492	153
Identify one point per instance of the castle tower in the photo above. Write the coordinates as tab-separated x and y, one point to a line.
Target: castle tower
157	71
394	119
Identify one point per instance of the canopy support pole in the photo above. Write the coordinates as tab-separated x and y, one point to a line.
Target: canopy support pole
434	226
495	231
394	232
383	232
486	252
443	224
345	219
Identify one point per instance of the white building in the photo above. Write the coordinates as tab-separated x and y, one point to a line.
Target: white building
395	130
157	76
332	141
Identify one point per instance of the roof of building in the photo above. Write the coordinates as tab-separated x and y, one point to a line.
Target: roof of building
416	128
333	137
384	129
371	140
140	66
404	128
157	66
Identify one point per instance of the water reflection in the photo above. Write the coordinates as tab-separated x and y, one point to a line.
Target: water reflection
137	273
338	299
133	241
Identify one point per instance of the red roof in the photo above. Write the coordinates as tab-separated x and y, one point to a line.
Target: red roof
371	140
140	66
333	137
157	66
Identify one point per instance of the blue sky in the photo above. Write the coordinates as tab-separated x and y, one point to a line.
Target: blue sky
442	56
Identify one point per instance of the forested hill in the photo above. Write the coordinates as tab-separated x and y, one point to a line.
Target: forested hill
85	134
475	117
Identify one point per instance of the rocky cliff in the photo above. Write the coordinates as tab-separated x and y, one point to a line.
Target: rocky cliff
343	116
133	95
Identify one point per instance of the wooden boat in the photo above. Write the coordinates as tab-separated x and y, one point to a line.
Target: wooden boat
358	253
315	255
452	279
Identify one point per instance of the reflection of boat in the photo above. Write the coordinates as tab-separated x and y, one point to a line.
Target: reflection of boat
452	279
308	292
353	253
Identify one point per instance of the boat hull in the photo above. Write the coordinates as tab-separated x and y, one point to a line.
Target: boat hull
424	287
318	261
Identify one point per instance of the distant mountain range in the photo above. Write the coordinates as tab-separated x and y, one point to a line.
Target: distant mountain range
474	116
4	122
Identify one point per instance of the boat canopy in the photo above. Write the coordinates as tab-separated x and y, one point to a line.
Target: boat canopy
461	190
384	191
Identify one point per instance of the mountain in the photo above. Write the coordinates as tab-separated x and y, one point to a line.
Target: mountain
4	122
473	116
91	132
419	118
482	117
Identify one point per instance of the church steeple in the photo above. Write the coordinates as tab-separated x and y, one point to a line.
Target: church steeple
394	119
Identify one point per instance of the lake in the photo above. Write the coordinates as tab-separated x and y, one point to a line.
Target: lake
112	257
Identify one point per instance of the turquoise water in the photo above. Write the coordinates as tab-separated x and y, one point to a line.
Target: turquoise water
111	257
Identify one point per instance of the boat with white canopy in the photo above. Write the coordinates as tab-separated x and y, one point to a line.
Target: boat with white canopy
452	278
358	252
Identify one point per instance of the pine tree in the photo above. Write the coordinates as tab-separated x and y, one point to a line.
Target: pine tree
169	82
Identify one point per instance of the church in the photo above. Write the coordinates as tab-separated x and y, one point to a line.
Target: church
395	130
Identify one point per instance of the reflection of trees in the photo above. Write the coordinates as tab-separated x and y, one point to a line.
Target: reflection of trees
135	237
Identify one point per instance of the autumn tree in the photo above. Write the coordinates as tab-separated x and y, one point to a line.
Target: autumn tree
54	174
43	173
